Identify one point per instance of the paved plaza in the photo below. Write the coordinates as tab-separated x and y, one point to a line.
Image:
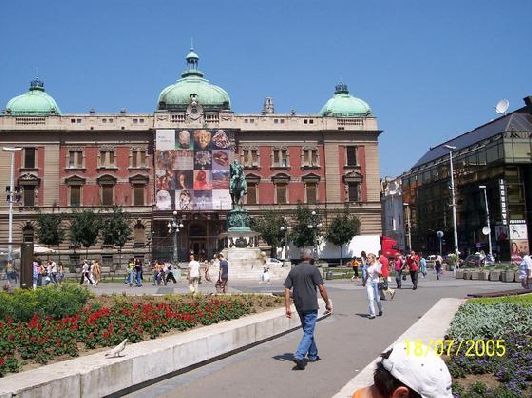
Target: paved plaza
347	342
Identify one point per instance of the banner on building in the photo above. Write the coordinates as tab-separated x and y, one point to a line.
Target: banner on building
192	169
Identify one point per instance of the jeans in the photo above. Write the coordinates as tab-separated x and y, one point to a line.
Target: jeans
138	276
193	284
130	277
364	272
398	276
373	295
307	346
413	276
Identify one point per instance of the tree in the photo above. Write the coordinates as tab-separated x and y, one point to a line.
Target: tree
342	229
269	226
116	230
305	232
85	227
49	230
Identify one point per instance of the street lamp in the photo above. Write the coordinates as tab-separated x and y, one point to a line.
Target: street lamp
173	228
10	198
483	187
409	231
285	229
315	225
453	205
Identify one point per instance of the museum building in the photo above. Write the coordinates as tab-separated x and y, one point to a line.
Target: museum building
174	163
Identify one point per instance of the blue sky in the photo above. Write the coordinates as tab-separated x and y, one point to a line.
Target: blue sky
429	70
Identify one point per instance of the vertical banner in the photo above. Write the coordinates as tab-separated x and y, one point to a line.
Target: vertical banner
192	169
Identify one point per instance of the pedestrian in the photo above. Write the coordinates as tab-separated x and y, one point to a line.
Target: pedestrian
422	265
86	273
223	275
438	265
10	272
413	267
301	283
169	274
138	273
398	266
265	277
130	277
364	265
384	289
206	270
525	271
36	273
60	272
96	271
193	275
355	264
400	374
373	275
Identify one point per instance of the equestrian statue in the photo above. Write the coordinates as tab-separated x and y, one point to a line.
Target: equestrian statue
238	187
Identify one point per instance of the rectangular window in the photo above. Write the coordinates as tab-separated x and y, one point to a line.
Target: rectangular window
29	196
351	155
107	195
107	158
75	159
311	193
138	158
252	194
251	158
281	193
310	158
354	192
75	196
280	158
29	158
138	195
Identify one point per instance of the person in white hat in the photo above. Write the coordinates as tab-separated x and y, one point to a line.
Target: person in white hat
402	374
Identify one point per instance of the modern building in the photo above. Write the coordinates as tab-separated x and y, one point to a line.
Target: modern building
176	159
496	155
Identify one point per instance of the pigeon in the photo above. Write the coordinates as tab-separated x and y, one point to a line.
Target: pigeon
115	352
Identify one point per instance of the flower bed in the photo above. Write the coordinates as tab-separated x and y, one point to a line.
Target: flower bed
109	320
508	320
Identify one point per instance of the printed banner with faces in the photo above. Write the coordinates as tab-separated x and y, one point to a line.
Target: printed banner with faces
192	169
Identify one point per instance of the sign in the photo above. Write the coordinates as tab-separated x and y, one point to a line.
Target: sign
504	209
518	231
192	169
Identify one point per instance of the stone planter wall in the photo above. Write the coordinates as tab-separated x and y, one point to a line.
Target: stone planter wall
483	275
467	275
507	276
459	274
475	275
495	276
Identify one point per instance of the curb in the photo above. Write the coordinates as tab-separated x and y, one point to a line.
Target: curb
149	361
432	325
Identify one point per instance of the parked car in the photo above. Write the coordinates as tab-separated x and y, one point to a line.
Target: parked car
273	262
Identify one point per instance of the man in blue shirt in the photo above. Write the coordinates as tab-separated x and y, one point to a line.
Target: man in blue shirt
303	281
224	273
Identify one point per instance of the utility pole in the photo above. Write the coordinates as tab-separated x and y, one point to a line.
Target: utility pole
11	193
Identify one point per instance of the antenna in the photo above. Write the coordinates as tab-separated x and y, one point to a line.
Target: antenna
502	106
191	43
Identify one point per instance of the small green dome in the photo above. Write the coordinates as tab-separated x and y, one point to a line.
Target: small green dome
33	103
177	96
344	105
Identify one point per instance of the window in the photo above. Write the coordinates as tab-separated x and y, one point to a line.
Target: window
280	190
351	155
138	195
28	195
353	191
75	195
138	158
252	194
251	157
311	189
280	157
75	159
29	158
139	236
107	158
107	195
310	157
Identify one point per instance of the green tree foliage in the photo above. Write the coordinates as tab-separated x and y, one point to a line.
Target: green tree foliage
342	229
49	230
302	235
115	229
269	226
85	227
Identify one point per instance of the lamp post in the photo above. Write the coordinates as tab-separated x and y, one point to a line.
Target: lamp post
173	228
10	195
285	229
409	230
483	188
315	226
453	205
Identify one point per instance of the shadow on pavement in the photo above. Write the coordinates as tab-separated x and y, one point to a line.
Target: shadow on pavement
288	356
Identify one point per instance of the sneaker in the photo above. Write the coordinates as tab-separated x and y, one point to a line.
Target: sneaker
300	364
315	359
380	313
371	317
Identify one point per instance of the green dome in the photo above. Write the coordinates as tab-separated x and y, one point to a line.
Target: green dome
344	105
33	103
177	97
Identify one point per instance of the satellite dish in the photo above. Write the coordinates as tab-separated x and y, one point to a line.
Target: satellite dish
502	106
486	231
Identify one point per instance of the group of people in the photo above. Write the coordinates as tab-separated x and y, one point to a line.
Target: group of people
195	271
46	272
91	272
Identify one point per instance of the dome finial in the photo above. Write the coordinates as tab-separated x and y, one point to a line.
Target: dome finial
192	63
341	88
36	84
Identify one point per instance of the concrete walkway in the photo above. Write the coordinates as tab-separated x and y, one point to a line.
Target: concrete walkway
347	342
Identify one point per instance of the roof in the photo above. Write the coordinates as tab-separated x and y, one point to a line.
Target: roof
512	122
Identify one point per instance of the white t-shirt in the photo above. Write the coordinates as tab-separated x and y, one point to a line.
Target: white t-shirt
194	267
54	267
374	272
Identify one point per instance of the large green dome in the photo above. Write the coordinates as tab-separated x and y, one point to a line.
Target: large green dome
344	105
33	103
177	97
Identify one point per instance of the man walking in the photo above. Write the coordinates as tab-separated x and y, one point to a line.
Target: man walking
193	275
303	281
413	266
223	276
